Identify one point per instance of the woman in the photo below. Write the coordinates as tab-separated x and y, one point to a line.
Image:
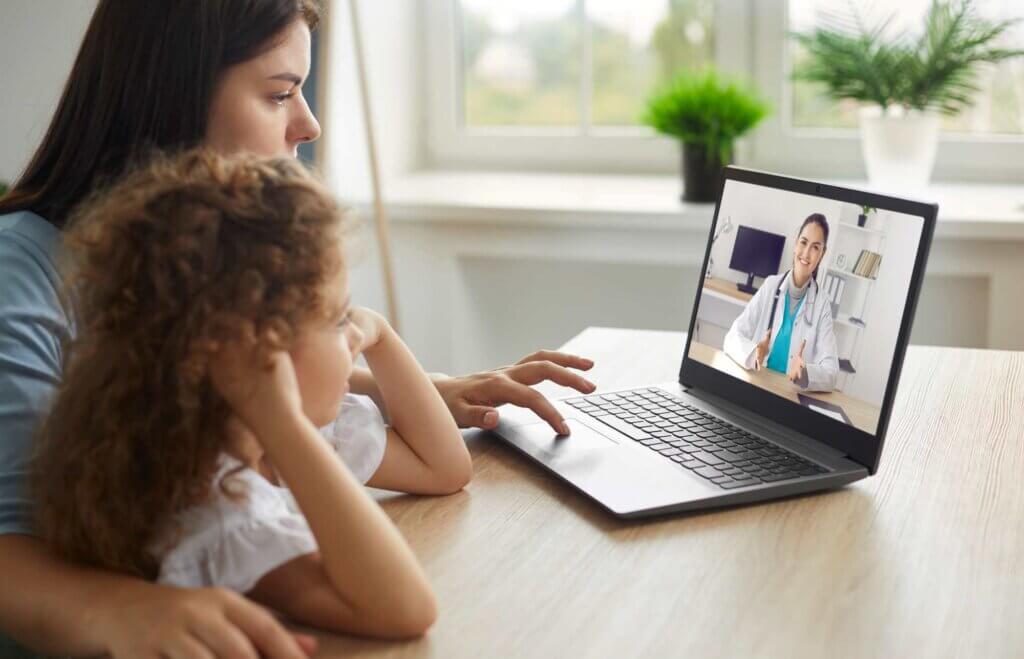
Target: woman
165	75
787	326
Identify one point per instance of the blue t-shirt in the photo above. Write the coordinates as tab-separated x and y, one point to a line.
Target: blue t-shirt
33	325
778	358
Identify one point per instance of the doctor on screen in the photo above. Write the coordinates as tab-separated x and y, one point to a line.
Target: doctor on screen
787	325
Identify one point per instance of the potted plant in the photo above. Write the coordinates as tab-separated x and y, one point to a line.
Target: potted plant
904	83
863	217
706	113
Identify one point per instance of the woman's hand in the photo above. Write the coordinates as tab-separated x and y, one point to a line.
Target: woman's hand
258	393
762	350
797	366
472	399
161	621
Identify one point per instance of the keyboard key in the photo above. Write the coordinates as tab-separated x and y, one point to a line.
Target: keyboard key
708	472
745	482
708	458
728	456
624	427
691	463
670	451
659	447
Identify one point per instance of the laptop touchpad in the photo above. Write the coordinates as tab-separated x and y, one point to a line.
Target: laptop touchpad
583	437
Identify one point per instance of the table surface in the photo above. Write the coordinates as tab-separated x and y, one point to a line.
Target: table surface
861	414
926	558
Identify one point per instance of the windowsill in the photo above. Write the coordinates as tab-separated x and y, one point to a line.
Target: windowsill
966	210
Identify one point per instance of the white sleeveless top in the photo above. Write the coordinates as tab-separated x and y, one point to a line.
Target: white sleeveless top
232	544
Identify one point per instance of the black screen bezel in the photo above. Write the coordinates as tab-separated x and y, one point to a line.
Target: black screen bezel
860	446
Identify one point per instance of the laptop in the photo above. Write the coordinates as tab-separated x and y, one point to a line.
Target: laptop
733	429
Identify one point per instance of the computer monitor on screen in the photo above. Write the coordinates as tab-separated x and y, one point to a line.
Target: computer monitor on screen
757	253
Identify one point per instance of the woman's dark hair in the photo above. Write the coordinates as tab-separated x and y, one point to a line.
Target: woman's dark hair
819	219
143	81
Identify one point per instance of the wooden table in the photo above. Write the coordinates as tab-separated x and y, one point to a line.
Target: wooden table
925	559
861	414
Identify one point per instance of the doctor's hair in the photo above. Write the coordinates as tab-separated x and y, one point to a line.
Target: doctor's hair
186	255
819	219
143	80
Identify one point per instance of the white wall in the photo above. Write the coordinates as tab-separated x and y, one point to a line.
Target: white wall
38	43
884	310
391	39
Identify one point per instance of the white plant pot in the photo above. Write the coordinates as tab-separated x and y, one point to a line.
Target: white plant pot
899	147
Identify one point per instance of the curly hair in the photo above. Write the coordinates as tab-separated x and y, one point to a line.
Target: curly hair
180	257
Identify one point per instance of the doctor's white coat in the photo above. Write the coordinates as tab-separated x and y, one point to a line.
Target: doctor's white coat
819	353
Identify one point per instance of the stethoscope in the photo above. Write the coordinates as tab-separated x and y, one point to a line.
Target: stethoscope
807	314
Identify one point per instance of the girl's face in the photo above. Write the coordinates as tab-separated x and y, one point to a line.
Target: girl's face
258	106
810	247
324	355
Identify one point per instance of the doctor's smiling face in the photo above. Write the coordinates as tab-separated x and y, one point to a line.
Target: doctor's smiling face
810	248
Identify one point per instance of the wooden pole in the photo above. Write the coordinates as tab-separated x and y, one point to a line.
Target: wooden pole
379	211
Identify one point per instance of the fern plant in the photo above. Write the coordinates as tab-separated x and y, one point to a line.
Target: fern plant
934	72
703	109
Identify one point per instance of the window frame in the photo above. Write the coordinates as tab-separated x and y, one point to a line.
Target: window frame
750	42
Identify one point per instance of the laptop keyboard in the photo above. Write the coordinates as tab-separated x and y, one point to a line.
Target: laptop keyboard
708	446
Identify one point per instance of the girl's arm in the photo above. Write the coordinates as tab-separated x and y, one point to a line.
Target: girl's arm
425	451
365	578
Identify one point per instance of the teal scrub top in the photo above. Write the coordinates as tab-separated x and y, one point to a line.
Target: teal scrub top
778	359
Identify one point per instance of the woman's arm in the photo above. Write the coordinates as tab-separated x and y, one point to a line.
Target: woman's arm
823	371
741	341
56	608
425	451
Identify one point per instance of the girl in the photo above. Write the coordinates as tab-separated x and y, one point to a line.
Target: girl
787	325
214	335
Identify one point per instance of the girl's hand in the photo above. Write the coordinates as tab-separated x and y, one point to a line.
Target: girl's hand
372	325
258	393
472	399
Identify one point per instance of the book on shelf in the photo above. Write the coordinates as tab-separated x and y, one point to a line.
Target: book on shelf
867	264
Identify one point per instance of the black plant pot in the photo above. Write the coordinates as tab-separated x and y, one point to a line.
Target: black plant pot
861	220
702	173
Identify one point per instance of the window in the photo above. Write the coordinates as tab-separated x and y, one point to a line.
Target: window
561	84
998	106
581	65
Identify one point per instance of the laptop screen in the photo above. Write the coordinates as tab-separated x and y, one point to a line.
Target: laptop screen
804	296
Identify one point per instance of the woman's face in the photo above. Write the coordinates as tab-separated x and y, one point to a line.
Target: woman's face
258	106
810	247
324	355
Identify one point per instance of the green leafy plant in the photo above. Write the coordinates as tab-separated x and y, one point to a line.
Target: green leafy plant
4	187
705	109
932	72
867	210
